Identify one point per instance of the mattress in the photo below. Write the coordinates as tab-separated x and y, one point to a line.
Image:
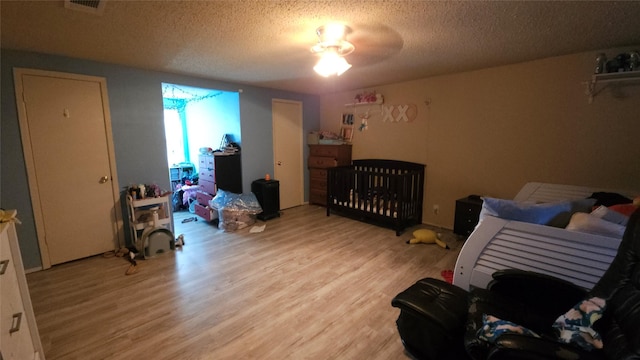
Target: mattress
365	204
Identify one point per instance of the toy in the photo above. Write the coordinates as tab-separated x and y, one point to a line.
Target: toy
180	240
133	268
426	236
9	215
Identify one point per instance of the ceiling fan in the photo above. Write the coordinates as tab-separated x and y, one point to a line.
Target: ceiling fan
332	47
375	43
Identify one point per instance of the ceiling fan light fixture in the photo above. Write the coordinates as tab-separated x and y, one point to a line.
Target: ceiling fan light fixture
332	46
333	36
331	64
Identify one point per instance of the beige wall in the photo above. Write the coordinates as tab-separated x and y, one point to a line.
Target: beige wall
488	132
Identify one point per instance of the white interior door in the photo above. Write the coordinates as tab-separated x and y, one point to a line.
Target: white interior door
66	133
287	151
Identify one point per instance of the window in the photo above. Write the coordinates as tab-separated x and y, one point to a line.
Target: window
175	137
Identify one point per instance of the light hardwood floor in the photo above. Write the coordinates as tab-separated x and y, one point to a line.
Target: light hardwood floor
308	287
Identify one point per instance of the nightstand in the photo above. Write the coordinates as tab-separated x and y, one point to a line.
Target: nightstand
467	215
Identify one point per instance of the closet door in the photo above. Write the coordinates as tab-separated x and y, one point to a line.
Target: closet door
66	133
287	151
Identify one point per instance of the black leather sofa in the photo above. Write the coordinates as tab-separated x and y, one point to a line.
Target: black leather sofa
441	321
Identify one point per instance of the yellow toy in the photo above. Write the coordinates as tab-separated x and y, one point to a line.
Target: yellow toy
9	215
426	236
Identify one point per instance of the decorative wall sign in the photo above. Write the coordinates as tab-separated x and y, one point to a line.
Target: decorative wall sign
390	113
399	113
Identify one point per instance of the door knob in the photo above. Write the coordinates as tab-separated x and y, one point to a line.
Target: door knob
103	179
279	163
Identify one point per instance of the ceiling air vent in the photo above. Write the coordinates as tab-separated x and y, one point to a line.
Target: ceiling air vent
90	6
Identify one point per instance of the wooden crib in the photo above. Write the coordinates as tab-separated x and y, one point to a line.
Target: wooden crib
383	192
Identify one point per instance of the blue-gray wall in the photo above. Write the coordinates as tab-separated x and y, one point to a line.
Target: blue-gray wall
135	102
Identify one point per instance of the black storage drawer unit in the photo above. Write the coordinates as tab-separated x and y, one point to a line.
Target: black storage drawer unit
268	194
467	214
228	173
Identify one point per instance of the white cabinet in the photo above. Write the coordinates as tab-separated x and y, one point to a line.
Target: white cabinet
19	338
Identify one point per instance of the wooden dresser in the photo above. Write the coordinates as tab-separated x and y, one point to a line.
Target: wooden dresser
207	182
216	172
322	157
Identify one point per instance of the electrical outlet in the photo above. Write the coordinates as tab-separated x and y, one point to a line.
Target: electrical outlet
436	209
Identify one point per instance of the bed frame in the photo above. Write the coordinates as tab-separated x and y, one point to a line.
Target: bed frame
497	244
383	192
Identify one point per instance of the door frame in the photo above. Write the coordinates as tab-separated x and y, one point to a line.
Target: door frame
273	132
34	191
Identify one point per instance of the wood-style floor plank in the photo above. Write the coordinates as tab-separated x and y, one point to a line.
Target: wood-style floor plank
308	287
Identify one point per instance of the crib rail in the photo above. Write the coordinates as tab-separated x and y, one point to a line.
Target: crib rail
386	192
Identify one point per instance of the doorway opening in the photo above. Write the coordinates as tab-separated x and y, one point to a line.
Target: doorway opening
196	121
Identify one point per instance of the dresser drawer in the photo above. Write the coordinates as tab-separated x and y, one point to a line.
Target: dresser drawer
318	197
203	198
322	162
318	175
207	186
207	175
206	213
328	151
320	185
206	162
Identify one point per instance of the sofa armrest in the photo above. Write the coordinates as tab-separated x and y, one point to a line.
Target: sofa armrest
435	300
432	318
543	292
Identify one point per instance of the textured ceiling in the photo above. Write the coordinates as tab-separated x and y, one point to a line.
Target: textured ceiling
267	43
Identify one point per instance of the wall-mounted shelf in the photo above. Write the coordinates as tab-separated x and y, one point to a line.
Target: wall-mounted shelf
377	102
600	81
367	98
373	102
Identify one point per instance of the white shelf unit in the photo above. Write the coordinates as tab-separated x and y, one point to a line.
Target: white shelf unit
600	81
377	102
141	215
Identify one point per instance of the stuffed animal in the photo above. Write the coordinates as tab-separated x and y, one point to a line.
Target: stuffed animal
426	236
9	215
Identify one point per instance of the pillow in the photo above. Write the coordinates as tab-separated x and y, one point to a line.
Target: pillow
580	205
576	325
594	225
493	327
611	216
555	214
625	209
